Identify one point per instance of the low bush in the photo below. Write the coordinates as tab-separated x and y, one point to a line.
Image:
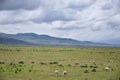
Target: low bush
86	71
93	70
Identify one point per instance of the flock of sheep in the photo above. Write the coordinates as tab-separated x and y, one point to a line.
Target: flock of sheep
64	73
57	72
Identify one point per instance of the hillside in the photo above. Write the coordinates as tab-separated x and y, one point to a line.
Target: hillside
35	39
5	40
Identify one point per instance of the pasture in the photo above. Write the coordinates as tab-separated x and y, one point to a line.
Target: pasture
40	62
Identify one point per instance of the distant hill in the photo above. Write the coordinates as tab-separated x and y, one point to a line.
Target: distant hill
5	40
35	39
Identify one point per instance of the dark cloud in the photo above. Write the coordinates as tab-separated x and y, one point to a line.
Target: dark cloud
19	4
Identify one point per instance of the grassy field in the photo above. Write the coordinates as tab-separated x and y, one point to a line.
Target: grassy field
40	62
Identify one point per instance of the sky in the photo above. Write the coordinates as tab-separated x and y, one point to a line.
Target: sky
84	20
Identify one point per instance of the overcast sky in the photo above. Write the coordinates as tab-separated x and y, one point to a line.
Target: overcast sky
86	20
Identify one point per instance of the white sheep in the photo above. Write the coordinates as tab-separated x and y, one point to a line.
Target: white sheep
56	72
107	68
64	72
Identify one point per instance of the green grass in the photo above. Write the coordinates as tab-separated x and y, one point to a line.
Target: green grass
63	55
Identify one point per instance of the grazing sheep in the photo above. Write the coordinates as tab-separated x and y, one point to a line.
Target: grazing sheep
56	72
76	63
94	62
64	73
107	68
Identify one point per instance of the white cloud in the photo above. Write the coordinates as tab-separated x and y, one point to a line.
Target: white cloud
16	16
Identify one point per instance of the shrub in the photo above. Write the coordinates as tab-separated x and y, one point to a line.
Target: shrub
30	70
54	62
20	65
21	62
51	63
1	68
86	71
32	62
84	66
43	63
2	62
12	64
20	70
93	70
16	71
94	66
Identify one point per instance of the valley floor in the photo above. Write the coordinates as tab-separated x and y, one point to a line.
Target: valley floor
40	62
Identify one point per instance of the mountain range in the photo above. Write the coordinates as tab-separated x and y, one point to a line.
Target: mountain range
35	39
